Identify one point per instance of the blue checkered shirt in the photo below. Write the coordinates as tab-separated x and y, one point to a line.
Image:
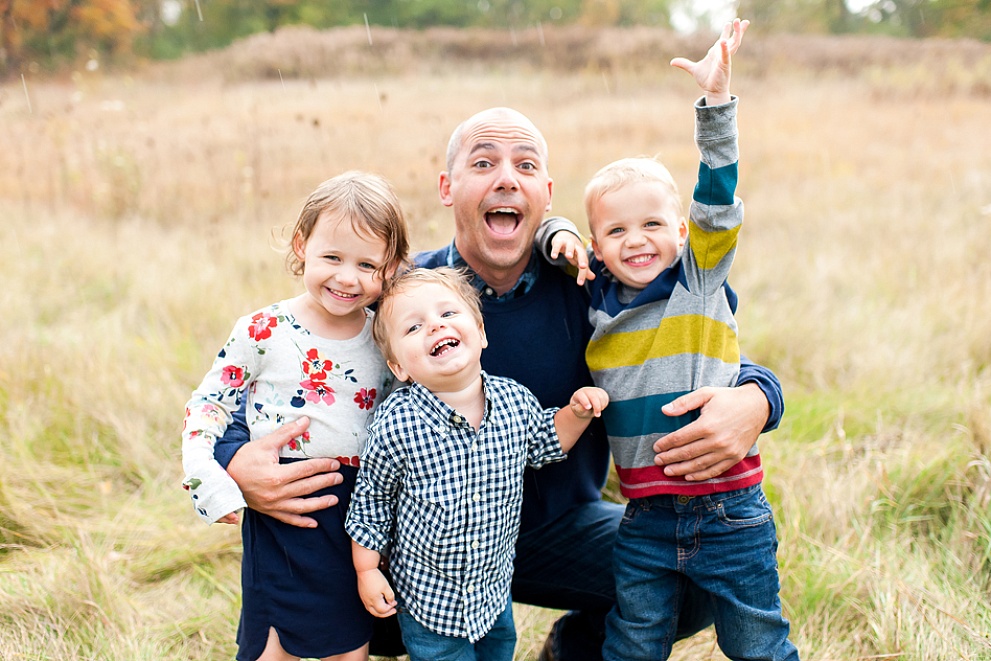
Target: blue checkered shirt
447	500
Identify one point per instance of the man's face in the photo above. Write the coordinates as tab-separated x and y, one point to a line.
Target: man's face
499	189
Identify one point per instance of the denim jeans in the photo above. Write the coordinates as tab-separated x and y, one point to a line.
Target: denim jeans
422	644
567	565
723	544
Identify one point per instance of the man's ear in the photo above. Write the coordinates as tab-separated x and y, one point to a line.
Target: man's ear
398	370
550	194
444	188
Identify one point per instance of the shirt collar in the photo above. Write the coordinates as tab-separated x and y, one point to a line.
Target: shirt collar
521	288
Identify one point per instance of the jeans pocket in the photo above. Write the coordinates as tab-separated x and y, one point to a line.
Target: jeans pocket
745	509
630	513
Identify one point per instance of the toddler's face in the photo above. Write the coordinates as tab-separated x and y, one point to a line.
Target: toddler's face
637	232
340	268
433	336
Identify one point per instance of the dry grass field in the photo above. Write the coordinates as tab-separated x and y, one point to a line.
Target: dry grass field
140	215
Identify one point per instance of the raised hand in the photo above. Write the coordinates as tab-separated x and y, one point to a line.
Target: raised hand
712	73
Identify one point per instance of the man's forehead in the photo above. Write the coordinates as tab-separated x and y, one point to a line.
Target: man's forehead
506	127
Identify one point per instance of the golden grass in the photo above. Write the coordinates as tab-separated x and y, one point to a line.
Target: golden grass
137	217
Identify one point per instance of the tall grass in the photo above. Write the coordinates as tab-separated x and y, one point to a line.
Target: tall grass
140	216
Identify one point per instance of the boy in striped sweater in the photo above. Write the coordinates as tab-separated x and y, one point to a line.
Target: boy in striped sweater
662	313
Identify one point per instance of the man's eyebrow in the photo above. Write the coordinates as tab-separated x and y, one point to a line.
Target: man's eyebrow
527	147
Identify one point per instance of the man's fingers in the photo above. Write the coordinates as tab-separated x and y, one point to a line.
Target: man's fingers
284	434
305	486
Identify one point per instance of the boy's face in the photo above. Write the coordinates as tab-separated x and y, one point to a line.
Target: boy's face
433	337
637	231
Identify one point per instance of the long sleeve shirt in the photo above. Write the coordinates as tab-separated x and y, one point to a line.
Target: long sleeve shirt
446	500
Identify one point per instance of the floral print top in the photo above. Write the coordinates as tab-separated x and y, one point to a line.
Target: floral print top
285	372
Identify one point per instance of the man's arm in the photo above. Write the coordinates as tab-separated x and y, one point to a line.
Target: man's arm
729	422
279	490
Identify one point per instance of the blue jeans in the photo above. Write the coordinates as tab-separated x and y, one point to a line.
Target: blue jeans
724	544
422	644
566	565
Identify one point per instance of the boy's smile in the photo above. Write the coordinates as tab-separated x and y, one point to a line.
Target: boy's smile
433	337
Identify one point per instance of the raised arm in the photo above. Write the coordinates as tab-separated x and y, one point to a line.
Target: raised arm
712	73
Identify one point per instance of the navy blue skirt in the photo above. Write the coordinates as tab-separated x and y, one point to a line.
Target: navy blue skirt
302	582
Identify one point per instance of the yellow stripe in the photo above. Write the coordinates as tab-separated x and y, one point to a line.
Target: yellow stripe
677	335
709	248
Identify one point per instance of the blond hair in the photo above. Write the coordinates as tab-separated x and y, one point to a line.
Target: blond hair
366	201
454	279
629	171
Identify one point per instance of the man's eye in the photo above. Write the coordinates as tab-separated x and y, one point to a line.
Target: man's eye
483	164
527	166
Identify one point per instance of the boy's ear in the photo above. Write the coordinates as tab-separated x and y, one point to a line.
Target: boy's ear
682	232
485	340
398	370
595	248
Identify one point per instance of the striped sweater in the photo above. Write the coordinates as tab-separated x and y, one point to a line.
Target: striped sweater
678	334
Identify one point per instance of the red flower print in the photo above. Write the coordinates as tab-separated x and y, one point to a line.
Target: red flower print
365	398
316	366
232	375
297	443
261	326
318	392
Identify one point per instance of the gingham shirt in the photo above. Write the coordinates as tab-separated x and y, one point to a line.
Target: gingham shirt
447	500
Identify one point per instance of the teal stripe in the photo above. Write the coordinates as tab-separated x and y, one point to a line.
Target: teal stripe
716	186
643	416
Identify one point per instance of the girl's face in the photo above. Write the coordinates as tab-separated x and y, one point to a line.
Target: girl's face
340	269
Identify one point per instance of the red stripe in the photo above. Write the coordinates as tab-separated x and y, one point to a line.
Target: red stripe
651	480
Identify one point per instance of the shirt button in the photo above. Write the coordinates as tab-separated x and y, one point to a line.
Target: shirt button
475	544
457	419
489	291
470	589
474	446
476	497
441	430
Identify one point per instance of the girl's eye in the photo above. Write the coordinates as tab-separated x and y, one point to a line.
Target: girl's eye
367	266
332	258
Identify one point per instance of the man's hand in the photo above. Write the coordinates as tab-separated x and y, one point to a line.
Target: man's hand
570	247
729	422
279	490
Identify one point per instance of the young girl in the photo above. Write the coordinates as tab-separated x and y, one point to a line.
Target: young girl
313	356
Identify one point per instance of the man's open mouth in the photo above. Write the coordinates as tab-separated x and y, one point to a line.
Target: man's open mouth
503	220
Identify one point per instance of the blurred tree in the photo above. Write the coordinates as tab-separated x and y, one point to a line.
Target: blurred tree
929	18
64	30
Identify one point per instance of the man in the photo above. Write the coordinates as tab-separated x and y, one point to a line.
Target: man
499	188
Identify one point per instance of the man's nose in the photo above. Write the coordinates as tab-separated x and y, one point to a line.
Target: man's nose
508	177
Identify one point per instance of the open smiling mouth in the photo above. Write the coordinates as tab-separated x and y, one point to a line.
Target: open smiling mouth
444	346
503	220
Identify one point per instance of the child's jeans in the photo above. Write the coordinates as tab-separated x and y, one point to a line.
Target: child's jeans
422	644
724	543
